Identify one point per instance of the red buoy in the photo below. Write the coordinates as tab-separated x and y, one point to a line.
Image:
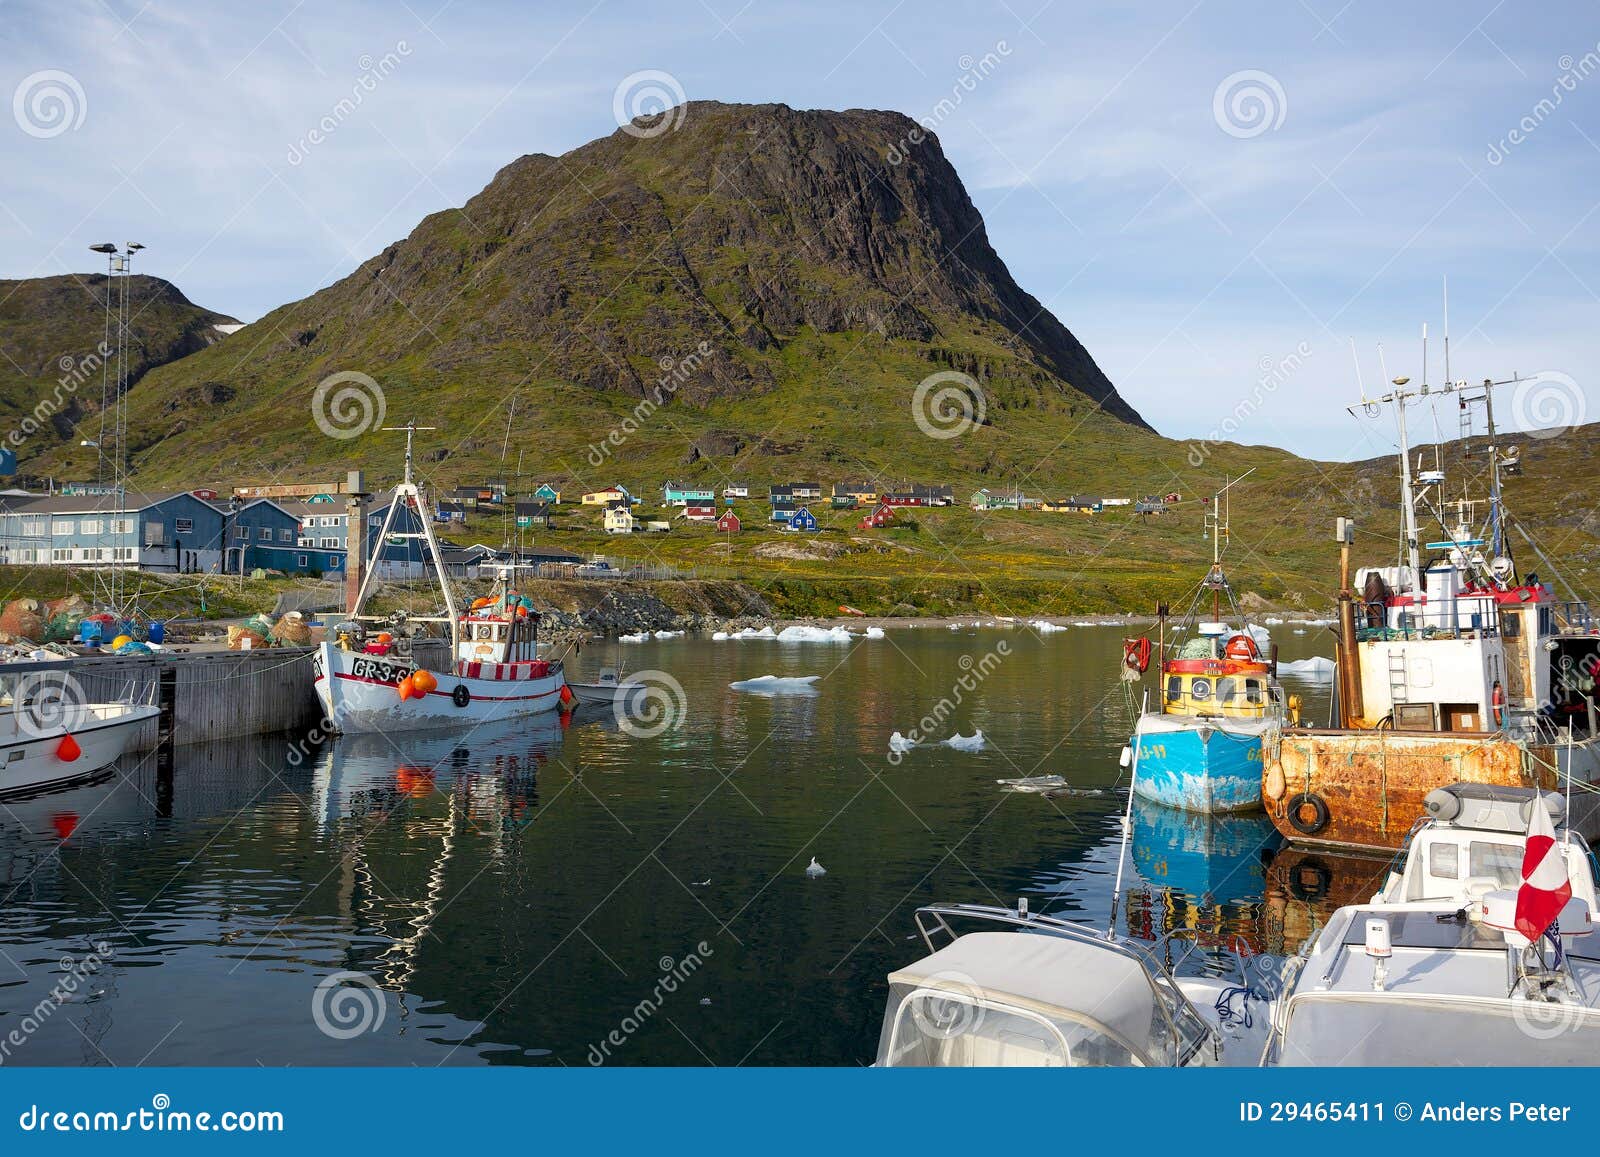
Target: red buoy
68	750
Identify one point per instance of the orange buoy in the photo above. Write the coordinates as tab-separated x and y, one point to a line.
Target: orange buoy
422	682
566	695
405	689
68	750
65	823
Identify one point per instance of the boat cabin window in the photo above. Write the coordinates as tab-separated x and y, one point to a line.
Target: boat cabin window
1252	691
1174	687
1500	862
1226	691
1200	690
1444	862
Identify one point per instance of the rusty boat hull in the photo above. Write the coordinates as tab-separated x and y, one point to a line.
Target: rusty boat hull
1364	789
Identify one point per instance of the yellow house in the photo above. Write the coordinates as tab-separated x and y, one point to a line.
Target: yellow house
605	497
619	519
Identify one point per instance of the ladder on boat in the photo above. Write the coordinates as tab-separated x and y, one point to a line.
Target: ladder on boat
1398	692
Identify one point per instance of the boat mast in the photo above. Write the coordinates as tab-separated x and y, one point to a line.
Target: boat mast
407	494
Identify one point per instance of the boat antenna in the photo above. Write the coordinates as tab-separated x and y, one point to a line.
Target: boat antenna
1127	822
1447	329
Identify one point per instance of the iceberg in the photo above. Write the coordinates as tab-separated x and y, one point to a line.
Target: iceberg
900	744
959	742
1046	627
778	685
1316	667
641	637
802	633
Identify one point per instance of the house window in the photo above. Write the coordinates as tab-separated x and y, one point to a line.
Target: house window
265	534
35	526
61	554
241	532
124	553
301	560
158	534
183	525
285	535
330	543
375	521
304	540
26	554
122	526
91	526
62	526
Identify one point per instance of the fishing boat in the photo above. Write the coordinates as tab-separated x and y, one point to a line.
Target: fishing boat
1454	665
1218	697
373	681
1442	966
49	740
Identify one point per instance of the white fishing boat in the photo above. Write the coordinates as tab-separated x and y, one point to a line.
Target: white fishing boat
374	682
48	740
1434	969
1051	993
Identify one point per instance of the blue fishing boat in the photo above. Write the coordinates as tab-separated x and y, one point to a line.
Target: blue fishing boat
1201	748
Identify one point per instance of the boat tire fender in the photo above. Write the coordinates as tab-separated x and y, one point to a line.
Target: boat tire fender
1319	813
1310	880
461	696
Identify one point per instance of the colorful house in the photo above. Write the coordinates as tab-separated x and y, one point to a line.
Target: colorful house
781	493
698	513
728	523
547	493
672	494
1085	504
882	515
606	497
533	514
783	509
857	493
619	519
449	510
801	491
802	519
736	490
906	498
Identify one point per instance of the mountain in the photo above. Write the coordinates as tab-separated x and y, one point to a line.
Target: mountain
769	273
51	335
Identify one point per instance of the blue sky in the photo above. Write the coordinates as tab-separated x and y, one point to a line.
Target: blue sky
1190	247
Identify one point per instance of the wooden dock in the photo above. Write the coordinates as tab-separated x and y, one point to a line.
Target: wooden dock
204	695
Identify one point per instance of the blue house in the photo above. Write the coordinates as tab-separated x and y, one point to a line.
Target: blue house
783	509
802	519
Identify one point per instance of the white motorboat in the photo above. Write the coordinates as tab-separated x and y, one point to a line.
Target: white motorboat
377	684
1433	970
49	740
607	689
1047	992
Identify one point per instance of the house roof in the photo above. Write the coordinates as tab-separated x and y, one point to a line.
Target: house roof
129	503
532	509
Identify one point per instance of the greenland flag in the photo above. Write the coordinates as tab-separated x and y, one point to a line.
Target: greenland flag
1545	887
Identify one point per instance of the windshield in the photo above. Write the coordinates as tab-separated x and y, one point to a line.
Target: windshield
930	1028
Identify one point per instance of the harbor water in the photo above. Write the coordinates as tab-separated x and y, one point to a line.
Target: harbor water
546	892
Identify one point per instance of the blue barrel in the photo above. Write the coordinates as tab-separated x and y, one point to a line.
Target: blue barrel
89	632
158	632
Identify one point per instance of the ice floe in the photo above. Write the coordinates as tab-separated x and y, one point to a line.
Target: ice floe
778	685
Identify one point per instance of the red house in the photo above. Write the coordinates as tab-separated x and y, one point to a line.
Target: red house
700	513
728	523
881	516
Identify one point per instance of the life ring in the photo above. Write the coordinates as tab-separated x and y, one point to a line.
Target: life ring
1310	880
1243	649
1273	784
1319	813
461	696
1136	654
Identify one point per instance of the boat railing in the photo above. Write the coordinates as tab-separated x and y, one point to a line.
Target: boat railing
1572	617
932	922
